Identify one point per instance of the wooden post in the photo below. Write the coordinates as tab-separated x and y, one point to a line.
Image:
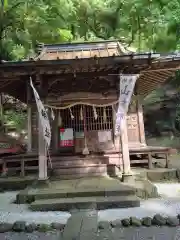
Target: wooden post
117	141
124	146
2	111
141	124
29	128
29	118
55	132
42	154
22	168
42	144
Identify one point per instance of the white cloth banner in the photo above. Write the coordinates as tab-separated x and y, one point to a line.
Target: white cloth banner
44	120
127	83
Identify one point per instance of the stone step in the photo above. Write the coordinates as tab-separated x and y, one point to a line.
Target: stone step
77	176
60	193
66	204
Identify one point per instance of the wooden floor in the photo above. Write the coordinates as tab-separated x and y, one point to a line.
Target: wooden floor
134	150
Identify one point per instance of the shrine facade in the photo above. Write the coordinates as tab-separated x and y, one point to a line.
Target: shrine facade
79	86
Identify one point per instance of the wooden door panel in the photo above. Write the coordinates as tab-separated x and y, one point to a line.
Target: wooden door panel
133	127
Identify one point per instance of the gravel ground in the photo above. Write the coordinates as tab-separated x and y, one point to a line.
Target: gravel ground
152	233
169	204
31	236
10	212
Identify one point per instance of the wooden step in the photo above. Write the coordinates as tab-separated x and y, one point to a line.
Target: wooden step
78	162
65	204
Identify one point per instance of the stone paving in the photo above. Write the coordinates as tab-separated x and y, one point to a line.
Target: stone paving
82	225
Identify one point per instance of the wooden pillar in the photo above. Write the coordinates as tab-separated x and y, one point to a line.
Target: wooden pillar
42	154
141	124
29	128
2	112
55	131
125	146
123	143
29	119
42	150
140	117
116	139
34	122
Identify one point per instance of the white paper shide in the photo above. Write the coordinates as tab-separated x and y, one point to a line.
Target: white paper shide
127	83
44	120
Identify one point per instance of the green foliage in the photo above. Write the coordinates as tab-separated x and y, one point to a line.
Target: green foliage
144	24
16	119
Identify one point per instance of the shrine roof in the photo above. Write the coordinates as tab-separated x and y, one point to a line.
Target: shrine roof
80	50
78	66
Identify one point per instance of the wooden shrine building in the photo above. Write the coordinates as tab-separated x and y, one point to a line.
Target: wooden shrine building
79	85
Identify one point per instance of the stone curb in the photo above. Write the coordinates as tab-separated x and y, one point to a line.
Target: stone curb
157	220
22	226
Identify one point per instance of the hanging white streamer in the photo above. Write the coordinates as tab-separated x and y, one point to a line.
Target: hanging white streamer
119	116
95	112
81	114
43	116
127	83
72	117
104	115
52	114
59	119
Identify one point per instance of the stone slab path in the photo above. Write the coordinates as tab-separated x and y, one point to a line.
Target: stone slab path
82	225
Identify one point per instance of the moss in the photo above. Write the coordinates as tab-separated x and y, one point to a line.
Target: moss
44	227
135	221
147	221
126	222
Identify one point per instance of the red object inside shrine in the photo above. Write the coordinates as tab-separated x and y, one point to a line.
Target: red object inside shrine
66	137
